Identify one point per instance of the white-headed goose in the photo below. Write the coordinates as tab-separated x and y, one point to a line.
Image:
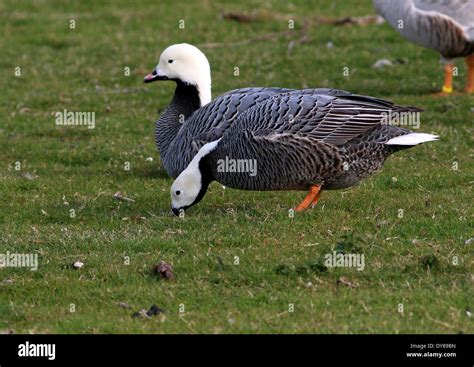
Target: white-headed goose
192	119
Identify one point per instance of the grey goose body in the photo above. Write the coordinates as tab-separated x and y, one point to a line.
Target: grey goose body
299	142
178	141
446	26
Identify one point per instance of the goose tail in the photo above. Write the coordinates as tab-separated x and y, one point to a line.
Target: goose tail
412	139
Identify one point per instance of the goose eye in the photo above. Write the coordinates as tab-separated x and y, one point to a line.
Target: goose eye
170	61
178	192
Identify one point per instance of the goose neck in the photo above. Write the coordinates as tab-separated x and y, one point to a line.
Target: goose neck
185	101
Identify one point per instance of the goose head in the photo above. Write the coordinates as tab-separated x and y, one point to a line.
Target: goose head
184	63
191	185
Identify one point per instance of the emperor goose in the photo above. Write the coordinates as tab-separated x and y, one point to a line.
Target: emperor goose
192	119
446	26
298	142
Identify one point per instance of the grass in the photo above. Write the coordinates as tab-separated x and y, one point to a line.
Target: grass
81	169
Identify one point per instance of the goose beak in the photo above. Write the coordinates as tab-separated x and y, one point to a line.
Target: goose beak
175	211
154	76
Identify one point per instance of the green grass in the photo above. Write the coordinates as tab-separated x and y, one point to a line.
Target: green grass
82	70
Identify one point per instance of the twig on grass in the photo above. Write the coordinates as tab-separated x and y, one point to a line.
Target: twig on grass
255	16
118	195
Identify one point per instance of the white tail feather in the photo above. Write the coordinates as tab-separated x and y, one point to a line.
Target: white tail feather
412	139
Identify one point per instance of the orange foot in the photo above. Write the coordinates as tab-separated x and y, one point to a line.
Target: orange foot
448	82
310	199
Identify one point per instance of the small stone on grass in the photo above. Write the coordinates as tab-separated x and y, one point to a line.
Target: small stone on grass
78	265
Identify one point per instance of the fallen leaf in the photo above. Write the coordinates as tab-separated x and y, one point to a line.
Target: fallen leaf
153	311
164	269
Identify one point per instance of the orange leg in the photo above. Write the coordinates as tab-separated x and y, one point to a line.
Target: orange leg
448	78
312	197
470	74
316	199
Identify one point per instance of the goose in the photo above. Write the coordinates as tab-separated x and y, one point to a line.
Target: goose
299	142
446	26
192	118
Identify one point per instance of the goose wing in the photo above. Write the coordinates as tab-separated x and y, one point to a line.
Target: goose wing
210	122
330	119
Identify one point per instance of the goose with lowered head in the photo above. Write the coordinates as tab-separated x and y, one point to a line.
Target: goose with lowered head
298	142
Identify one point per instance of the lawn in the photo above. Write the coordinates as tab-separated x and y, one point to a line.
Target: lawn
241	263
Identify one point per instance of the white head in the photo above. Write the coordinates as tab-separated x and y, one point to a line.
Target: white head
186	63
191	185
